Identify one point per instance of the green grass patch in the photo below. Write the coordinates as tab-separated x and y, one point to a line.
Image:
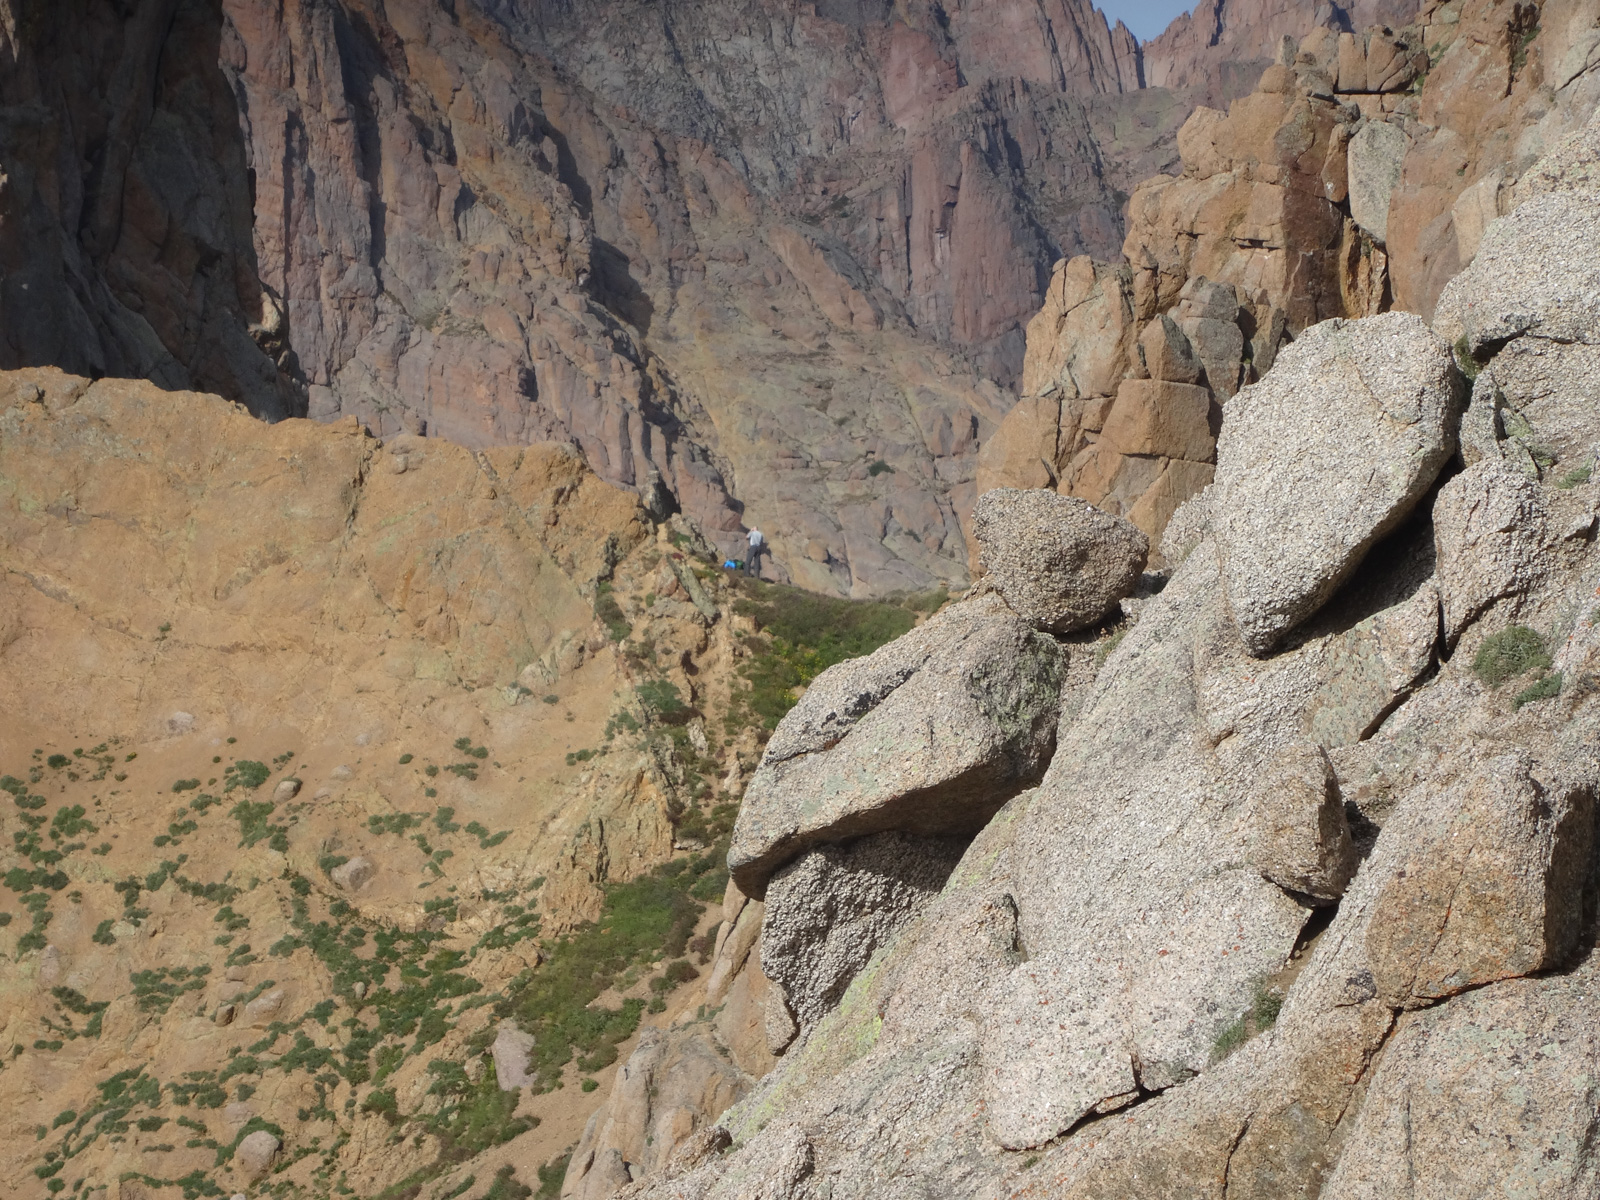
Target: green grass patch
1509	653
551	1176
246	773
1573	478
800	635
1262	1015
643	920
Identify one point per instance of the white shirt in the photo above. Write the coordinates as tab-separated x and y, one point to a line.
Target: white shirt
756	539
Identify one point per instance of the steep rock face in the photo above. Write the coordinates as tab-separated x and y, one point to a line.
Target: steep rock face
711	307
125	213
1223	45
458	229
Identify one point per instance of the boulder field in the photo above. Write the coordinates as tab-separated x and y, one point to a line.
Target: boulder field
1298	899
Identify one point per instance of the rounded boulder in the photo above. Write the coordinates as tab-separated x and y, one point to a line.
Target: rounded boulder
1059	562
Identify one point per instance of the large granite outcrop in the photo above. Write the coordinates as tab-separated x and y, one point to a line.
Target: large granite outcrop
1133	939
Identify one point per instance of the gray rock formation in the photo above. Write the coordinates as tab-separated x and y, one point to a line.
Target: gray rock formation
830	910
510	1050
1123	935
355	874
1057	561
1492	538
1490	1092
256	1153
1525	278
928	735
1322	458
657	1104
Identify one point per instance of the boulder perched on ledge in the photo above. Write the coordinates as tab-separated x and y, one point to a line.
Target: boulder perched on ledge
1324	456
930	735
1059	562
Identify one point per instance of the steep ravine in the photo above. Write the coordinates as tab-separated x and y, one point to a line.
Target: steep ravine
760	265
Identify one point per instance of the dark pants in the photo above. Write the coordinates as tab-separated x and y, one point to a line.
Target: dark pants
752	563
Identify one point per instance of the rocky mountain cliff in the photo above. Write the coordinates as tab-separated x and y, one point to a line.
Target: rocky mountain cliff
372	785
1358	177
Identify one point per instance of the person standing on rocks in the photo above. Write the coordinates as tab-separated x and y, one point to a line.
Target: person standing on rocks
752	561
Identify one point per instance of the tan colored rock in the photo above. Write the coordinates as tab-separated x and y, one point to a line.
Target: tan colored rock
1168	356
1025	452
1490	891
352	876
1302	840
1165	420
1081	339
265	1008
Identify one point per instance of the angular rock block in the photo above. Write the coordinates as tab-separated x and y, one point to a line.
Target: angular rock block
1160	419
1168	354
1302	841
1490	886
829	911
1324	456
1491	540
1536	272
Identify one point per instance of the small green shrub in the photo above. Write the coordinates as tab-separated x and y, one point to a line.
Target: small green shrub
1575	477
879	467
1509	653
660	697
1546	688
246	773
1258	1018
590	1085
611	614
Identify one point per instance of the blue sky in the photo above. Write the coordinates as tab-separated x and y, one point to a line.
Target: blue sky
1146	18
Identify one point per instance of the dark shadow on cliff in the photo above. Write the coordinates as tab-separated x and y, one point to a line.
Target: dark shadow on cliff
141	262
